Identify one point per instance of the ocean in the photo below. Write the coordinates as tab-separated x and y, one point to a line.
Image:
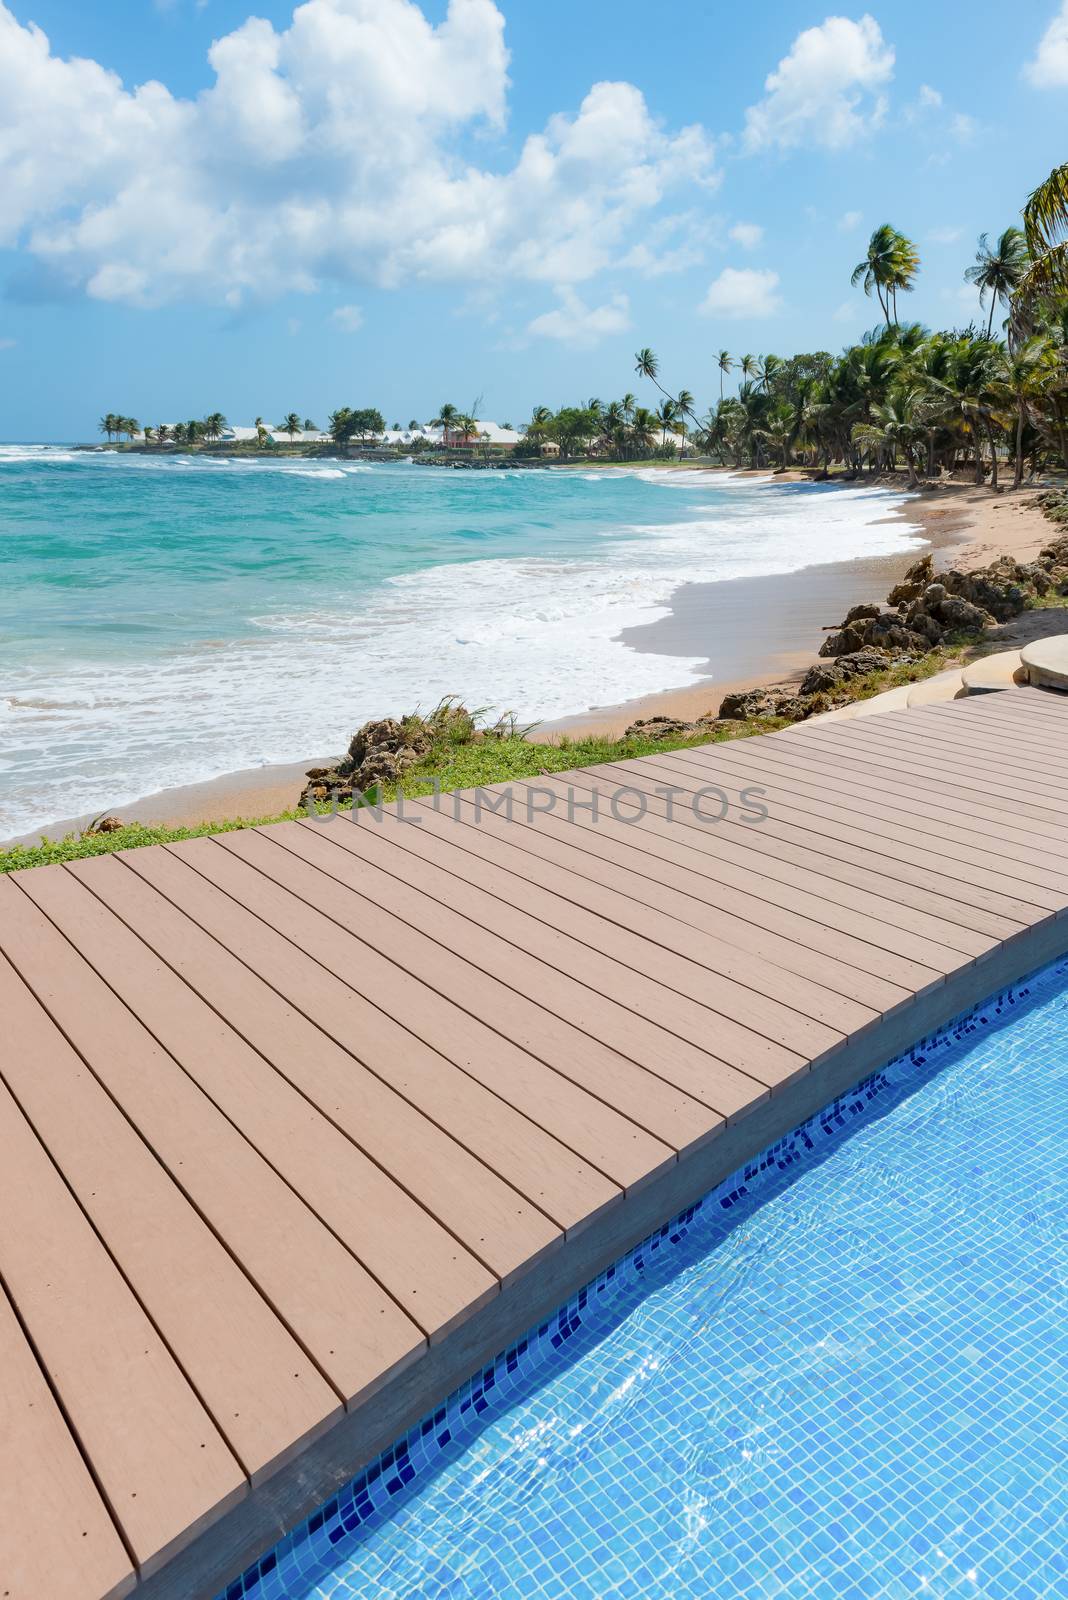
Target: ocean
164	620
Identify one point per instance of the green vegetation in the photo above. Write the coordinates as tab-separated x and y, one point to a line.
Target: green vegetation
930	400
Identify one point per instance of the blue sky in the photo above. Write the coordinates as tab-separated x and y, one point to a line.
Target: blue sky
376	202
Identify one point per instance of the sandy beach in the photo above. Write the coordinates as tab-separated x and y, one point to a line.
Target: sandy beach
754	630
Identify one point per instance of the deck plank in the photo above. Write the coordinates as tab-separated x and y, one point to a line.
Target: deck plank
569	866
958	879
350	1327
956	914
698	1056
56	1534
801	792
160	1460
488	1216
326	991
645	938
266	1398
367	1211
606	960
797	889
340	926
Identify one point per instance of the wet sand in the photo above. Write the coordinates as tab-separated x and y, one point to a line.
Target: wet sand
751	631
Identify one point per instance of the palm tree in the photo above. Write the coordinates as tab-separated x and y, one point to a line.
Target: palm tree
877	268
444	420
538	426
1046	232
628	402
1022	381
747	366
213	426
109	425
643	429
998	271
291	425
310	426
666	414
129	426
685	402
778	430
900	423
163	433
724	361
906	265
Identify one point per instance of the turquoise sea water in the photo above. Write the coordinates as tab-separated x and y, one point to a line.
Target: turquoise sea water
844	1377
168	619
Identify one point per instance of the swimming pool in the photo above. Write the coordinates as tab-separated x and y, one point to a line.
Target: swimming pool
843	1374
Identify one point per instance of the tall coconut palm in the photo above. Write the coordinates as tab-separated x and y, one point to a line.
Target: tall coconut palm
1046	231
444	420
725	362
747	366
310	426
291	425
628	402
163	434
666	414
643	429
891	263
1021	382
899	423
906	266
213	425
877	268
998	270
108	425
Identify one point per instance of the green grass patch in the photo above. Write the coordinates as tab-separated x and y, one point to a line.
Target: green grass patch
474	764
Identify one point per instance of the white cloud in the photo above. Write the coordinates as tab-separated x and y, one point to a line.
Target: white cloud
847	312
945	235
849	221
825	92
575	323
747	234
8	344
742	292
1049	68
326	150
350	318
929	97
963	128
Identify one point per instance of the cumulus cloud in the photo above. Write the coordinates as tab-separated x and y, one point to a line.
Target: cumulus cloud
742	292
826	90
1049	67
849	221
747	234
349	318
327	150
575	323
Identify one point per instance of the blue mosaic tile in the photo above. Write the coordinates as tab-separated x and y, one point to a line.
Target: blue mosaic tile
843	1373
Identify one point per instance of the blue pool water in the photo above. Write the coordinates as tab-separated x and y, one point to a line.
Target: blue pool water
165	619
843	1375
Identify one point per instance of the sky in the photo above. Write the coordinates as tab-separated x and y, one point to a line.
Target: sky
381	202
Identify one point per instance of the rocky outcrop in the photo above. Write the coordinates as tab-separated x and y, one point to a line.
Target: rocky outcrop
382	751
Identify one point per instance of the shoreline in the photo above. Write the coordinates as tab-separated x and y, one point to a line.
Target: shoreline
962	525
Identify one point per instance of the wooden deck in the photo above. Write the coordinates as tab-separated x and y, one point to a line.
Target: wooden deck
301	1125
